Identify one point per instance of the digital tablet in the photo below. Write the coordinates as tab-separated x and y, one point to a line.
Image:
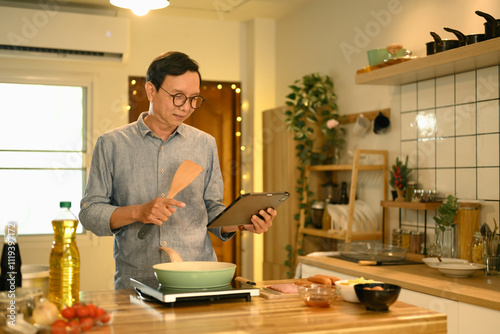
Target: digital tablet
242	209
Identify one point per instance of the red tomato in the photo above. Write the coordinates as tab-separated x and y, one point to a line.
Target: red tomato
68	312
82	311
102	315
59	326
86	324
92	310
74	326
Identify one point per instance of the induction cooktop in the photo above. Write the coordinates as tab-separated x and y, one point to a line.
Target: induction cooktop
151	290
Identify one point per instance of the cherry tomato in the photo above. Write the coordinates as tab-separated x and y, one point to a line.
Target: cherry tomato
74	326
82	311
102	315
92	310
68	312
86	324
59	326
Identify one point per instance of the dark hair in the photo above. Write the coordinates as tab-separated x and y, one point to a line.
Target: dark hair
170	63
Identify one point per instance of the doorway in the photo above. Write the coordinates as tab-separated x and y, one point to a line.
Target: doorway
219	116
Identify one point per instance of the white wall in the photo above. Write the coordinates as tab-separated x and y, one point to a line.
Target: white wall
332	36
216	47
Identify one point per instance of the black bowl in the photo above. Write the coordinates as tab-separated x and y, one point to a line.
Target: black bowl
377	300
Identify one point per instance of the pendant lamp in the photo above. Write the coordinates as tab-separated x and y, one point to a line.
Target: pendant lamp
140	7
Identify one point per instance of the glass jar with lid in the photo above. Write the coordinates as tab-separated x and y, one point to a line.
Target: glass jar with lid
477	248
410	188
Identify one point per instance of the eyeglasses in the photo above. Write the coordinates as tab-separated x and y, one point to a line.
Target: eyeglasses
180	98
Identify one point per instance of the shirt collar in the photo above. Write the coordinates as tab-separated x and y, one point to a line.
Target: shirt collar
145	130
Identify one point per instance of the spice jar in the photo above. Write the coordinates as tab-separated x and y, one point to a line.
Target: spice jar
477	248
410	188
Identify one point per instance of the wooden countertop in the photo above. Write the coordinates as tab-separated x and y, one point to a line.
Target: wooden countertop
285	315
477	289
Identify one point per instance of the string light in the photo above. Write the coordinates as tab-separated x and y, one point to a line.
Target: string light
133	82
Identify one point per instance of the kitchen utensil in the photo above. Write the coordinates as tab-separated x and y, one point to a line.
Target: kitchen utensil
253	284
439	45
381	123
491	26
492	265
458	269
318	295
377	300
434	261
185	174
372	251
192	274
466	39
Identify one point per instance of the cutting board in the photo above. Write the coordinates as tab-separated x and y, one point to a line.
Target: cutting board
278	295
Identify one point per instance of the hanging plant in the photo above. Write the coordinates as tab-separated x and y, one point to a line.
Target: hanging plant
312	116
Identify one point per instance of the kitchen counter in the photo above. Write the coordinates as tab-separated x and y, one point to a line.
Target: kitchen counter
260	315
478	289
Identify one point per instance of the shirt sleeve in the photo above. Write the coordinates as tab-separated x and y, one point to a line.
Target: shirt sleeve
95	207
214	193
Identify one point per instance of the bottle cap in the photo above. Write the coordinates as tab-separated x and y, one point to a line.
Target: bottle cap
65	205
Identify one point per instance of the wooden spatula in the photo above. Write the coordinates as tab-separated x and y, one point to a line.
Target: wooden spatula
185	174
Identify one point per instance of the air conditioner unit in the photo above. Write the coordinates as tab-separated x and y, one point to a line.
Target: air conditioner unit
62	35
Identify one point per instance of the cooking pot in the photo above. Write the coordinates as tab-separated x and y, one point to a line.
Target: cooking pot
467	39
491	26
440	45
192	274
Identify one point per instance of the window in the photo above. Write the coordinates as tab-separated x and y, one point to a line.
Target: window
42	152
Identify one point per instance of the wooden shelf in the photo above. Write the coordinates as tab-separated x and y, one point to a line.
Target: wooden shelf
411	205
347	235
462	59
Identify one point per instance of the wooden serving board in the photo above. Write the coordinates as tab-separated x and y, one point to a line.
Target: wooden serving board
269	295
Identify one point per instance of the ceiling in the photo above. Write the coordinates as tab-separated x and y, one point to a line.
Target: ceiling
230	10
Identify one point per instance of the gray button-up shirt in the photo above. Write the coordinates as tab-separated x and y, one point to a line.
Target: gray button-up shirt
131	165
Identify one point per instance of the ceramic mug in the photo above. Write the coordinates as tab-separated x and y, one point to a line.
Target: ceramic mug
381	123
361	125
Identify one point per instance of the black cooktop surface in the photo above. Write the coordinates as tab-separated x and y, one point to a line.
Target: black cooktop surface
151	290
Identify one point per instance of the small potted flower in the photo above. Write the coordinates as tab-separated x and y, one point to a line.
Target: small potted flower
400	174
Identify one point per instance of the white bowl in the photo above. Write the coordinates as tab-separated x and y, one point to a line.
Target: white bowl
346	288
459	269
433	261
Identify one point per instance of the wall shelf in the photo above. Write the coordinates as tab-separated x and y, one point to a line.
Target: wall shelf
348	235
462	59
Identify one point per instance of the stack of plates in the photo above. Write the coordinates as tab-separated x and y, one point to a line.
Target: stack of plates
364	218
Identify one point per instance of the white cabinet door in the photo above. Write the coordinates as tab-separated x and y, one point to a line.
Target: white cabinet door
477	319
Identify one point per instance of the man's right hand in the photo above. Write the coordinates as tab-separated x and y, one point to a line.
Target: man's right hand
155	212
158	210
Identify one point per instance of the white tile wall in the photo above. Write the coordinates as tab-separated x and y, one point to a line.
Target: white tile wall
450	129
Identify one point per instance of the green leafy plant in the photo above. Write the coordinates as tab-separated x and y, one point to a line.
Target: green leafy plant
400	174
312	116
446	213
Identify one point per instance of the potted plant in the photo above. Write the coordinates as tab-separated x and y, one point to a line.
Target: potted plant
312	116
400	174
444	219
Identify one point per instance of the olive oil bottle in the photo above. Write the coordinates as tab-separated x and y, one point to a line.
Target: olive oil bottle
64	263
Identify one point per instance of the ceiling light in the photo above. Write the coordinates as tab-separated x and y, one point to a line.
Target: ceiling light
140	7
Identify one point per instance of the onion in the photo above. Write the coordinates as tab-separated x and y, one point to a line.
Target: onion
45	312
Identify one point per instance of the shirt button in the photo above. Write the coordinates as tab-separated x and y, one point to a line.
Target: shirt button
162	148
164	243
162	195
162	171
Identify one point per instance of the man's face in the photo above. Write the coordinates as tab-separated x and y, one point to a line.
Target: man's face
163	107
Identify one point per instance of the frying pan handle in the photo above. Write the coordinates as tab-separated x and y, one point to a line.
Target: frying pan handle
489	19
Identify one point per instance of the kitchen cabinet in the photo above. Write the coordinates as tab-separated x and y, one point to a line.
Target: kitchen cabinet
462	59
411	206
348	234
470	303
